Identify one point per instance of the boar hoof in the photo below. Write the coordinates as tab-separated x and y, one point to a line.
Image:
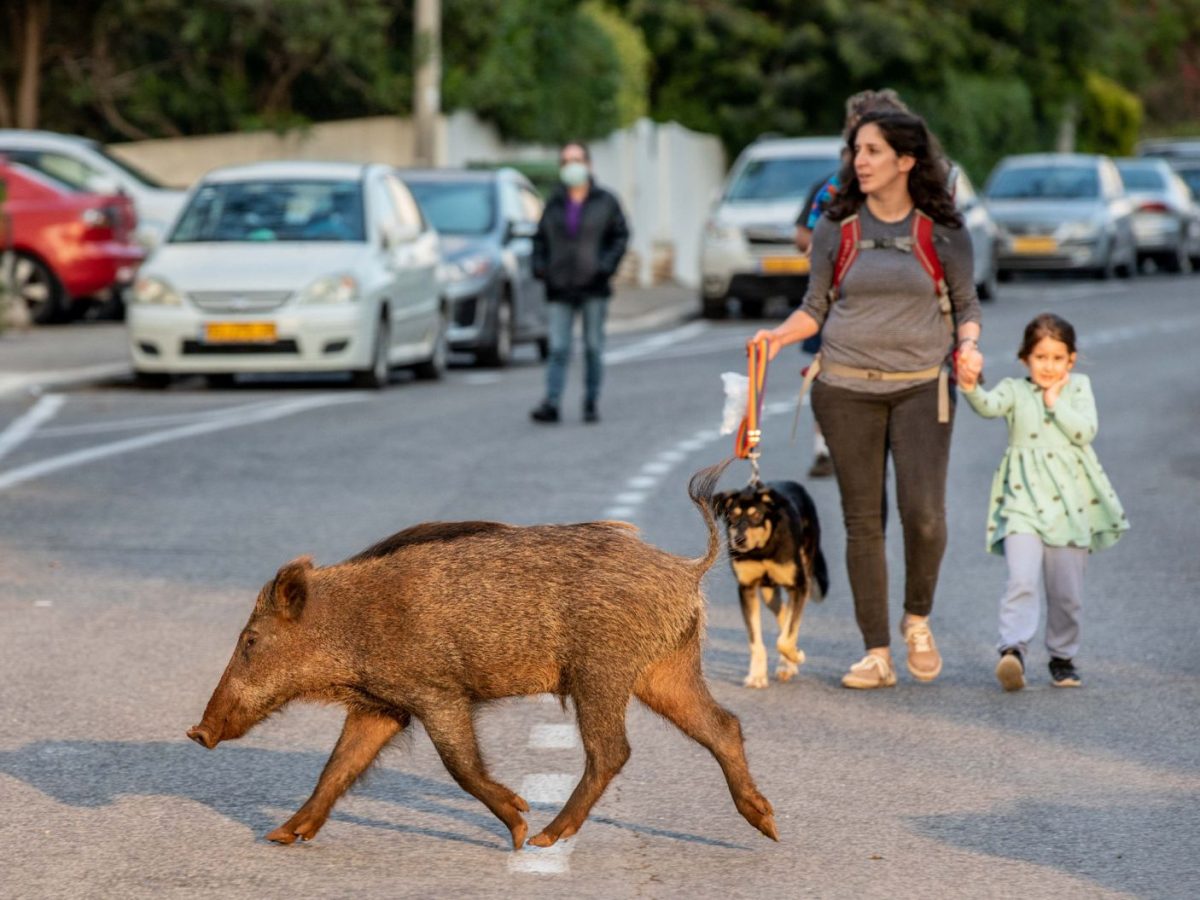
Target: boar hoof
305	829
756	809
544	839
518	834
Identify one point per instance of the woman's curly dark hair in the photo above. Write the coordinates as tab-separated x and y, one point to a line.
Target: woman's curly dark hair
908	135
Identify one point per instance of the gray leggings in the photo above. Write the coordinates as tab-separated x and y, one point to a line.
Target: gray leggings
1031	561
862	429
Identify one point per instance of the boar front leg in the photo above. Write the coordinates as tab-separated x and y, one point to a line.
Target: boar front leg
453	734
363	736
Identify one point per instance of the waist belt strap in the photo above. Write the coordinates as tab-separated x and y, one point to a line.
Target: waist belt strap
941	373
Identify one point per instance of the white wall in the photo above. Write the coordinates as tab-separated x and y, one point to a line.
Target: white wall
663	173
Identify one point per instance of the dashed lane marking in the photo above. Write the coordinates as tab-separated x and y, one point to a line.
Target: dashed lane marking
553	737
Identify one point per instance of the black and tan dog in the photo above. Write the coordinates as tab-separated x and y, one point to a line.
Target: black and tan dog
774	548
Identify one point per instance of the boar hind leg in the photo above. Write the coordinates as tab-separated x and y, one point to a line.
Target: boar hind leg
363	736
601	716
675	689
453	734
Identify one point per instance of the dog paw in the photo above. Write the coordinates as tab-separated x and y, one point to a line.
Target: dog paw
756	680
791	654
786	670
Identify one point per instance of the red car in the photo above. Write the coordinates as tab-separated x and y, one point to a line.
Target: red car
69	247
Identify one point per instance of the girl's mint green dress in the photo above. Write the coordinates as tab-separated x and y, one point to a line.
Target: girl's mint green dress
1050	482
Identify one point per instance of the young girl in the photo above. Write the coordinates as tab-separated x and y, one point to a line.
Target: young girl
1051	503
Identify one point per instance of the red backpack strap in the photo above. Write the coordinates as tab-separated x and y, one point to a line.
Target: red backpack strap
926	253
847	252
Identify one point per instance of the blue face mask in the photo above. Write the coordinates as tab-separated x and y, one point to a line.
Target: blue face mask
573	174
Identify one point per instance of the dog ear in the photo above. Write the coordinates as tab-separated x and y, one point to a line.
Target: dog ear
767	498
721	501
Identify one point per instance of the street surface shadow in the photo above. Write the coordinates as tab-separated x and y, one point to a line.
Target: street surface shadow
249	785
1140	849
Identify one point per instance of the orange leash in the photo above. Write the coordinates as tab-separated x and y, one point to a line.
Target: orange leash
750	431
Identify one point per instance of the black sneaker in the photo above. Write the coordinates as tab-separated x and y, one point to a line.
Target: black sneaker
547	412
822	466
1063	673
1010	671
590	413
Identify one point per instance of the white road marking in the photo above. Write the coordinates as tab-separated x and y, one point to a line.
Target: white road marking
630	498
480	378
153	421
43	604
548	787
25	425
642	481
15	381
81	457
655	344
552	860
553	737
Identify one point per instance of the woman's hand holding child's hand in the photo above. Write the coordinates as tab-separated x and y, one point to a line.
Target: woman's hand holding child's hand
970	367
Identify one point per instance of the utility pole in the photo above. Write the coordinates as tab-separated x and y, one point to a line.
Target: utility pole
427	83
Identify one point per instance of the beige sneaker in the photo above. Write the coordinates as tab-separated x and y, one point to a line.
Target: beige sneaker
870	672
924	661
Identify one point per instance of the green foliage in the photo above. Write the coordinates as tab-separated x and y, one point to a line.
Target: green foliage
633	59
1110	117
550	74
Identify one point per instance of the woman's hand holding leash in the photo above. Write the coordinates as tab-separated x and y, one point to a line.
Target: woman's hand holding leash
772	340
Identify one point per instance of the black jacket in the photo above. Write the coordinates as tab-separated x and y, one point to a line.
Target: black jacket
582	266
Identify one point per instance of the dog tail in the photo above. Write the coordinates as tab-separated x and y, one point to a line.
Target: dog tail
701	488
821	573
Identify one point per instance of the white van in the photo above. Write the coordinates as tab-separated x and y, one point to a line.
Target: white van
748	250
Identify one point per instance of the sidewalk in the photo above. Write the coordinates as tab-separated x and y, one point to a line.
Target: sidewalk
90	351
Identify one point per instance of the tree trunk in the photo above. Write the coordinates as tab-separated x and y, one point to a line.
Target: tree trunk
29	83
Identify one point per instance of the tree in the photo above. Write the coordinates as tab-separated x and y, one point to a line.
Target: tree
21	64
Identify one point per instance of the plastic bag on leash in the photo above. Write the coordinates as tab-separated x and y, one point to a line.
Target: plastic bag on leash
737	399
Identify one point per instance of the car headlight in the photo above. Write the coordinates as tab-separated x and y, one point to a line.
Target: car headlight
475	266
331	289
155	292
1079	231
720	231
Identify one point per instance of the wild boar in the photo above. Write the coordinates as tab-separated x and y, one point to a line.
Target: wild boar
443	616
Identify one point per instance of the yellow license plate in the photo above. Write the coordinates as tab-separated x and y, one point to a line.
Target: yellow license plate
1035	245
239	332
784	265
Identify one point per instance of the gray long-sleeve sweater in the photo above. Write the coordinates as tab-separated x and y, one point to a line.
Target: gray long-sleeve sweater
886	316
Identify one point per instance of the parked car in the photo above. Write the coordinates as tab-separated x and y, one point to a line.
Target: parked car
1166	219
64	247
88	166
748	248
1062	211
486	220
1170	148
292	267
982	229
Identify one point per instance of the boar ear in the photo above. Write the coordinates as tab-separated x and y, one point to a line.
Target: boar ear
291	588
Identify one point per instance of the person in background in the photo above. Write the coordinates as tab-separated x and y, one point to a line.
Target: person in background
815	204
579	244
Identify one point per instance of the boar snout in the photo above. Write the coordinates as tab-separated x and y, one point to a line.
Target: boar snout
202	736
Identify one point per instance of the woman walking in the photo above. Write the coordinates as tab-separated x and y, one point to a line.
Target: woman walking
889	326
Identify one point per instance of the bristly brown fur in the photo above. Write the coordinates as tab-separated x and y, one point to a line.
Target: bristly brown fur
426	533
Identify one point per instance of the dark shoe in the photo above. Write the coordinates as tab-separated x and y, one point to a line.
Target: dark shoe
547	412
590	413
1010	671
1063	673
822	466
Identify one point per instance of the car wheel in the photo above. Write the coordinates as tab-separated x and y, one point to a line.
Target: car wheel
34	284
219	381
378	376
433	367
154	381
499	352
752	309
714	307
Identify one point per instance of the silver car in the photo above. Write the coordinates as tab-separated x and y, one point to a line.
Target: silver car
983	231
1062	211
292	267
1166	220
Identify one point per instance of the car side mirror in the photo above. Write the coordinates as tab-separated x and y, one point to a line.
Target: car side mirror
394	234
519	229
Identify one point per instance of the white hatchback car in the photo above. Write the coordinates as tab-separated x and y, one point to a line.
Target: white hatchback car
292	267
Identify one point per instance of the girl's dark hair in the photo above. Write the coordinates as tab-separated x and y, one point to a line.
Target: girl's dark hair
908	135
1047	325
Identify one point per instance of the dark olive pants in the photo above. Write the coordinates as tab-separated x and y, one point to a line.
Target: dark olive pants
862	430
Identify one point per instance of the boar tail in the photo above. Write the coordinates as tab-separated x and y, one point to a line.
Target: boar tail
701	488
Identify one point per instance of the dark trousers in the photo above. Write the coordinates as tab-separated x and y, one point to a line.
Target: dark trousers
862	429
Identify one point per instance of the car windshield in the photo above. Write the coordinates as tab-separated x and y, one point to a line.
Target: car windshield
781	178
273	211
130	169
1045	183
1142	178
457	207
